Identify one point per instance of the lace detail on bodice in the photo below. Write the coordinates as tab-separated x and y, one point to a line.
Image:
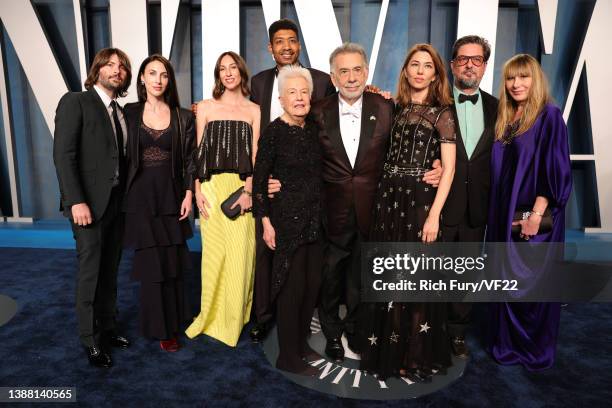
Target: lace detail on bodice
156	146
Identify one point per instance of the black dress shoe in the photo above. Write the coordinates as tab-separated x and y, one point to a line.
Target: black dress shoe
258	332
115	340
335	350
98	358
459	347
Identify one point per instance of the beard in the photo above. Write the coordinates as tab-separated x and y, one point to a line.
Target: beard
108	84
468	83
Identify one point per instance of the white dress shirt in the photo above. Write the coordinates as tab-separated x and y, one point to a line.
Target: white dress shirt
350	126
276	109
107	102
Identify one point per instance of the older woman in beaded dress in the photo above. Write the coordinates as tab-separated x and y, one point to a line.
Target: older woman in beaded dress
289	149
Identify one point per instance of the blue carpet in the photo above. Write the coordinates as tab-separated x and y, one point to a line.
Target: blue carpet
39	347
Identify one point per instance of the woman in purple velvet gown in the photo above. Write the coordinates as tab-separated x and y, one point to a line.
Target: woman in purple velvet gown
530	167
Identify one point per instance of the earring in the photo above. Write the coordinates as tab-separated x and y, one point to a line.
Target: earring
141	82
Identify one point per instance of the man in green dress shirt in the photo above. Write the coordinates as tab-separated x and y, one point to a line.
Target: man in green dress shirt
464	215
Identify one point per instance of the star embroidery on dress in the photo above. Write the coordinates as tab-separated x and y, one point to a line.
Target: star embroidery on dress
421	143
424	328
378	206
432	110
426	208
420	133
395	204
372	340
394	337
390	189
409	226
390	306
372	117
397	135
402	214
412	203
426	189
408	191
419	234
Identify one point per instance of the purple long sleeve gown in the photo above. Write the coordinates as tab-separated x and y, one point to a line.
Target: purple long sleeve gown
533	164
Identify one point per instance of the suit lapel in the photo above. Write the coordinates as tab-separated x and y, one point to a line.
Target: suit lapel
332	128
104	117
369	113
489	114
461	152
267	94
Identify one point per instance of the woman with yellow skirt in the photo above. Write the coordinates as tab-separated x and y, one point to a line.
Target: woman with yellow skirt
227	128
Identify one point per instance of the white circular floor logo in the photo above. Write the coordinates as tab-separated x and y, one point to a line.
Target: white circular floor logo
348	381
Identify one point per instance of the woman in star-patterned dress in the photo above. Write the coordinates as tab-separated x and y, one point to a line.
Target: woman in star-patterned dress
410	339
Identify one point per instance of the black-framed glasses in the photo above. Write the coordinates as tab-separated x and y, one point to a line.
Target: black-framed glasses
477	60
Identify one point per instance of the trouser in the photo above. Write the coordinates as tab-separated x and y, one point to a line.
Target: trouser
459	314
98	248
296	303
341	280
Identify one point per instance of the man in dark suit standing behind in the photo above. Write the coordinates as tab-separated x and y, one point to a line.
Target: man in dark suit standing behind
285	48
464	215
89	156
354	133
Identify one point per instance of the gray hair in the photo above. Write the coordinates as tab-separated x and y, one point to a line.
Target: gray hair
293	71
347	48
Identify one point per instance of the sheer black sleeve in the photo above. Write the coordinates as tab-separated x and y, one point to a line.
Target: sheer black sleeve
264	164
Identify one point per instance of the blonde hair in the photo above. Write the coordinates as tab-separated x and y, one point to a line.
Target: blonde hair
539	95
439	90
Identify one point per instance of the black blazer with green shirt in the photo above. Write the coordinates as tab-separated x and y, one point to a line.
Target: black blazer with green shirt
469	194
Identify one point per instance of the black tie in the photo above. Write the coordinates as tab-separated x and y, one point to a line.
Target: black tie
472	98
119	138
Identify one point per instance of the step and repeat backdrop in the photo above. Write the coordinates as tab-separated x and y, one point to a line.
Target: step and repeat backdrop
47	47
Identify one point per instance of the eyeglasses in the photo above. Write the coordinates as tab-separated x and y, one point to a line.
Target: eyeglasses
477	60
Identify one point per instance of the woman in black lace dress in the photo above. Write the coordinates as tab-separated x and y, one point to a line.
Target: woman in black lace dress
410	339
289	149
159	199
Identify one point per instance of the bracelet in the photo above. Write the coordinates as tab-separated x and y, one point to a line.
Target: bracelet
247	192
537	213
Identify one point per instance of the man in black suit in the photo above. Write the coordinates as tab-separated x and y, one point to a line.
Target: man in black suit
285	48
464	215
354	132
89	156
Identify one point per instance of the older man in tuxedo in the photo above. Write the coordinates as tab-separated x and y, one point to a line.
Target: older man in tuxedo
354	132
285	48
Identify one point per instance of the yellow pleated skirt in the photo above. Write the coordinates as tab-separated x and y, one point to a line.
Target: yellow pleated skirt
228	259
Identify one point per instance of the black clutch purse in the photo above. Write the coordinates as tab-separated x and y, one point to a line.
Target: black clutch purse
523	214
229	201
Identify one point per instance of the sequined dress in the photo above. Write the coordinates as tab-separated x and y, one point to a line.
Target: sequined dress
153	230
400	337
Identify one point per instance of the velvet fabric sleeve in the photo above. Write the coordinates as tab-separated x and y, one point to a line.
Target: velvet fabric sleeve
554	179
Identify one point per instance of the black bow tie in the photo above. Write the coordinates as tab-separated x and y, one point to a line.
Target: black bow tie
472	98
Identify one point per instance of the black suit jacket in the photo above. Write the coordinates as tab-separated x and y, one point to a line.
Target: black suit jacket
183	145
346	188
469	194
262	83
84	152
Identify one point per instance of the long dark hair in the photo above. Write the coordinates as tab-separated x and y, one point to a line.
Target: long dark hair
100	60
170	94
242	68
